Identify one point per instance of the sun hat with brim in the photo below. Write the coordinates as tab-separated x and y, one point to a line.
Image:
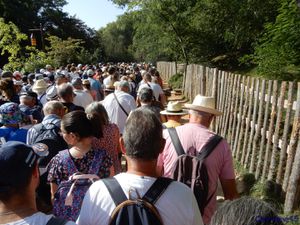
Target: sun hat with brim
204	104
40	85
174	108
16	162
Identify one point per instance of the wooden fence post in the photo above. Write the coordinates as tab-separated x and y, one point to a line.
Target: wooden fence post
243	119
257	134
252	123
234	115
283	151
227	105
293	142
232	110
293	182
264	132
248	120
270	131
274	156
239	116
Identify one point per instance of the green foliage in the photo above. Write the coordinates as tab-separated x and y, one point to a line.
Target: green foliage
62	52
35	60
10	43
48	19
278	54
175	82
117	38
211	32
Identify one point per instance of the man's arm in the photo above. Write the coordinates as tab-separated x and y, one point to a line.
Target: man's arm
229	188
163	99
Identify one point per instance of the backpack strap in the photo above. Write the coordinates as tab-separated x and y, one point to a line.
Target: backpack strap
115	190
56	221
41	97
126	113
157	189
176	142
209	147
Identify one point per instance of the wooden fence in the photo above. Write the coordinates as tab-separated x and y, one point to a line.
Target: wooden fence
261	122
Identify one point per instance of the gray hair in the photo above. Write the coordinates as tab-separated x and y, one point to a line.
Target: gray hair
143	135
246	211
52	107
199	113
98	108
64	90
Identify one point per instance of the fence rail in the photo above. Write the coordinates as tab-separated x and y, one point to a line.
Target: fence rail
261	122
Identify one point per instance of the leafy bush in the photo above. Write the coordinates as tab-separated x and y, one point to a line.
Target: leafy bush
278	55
175	82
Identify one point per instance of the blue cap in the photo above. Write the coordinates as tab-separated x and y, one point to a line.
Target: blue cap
16	162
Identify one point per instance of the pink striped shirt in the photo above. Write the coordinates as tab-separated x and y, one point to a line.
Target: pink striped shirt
220	164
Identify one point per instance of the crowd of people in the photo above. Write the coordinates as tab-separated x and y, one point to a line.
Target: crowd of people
63	133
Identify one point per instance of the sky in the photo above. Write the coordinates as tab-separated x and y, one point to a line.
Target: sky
95	13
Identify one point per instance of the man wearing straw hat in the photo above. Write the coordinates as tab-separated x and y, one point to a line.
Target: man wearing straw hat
40	87
174	112
193	136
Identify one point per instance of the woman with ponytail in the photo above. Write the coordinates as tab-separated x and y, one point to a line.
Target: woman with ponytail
78	130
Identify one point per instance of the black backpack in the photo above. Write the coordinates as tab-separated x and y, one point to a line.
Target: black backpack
191	170
140	211
56	221
50	136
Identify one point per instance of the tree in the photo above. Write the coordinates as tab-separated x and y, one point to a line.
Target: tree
62	52
10	43
207	31
117	38
27	14
278	53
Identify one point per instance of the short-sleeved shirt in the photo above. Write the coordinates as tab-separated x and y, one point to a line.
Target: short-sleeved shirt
38	218
176	206
57	172
157	90
96	86
219	163
114	111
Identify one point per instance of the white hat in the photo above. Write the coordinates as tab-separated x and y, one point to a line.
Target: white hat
90	72
174	108
204	104
39	85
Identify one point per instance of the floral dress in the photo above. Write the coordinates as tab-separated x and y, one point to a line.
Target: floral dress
110	143
58	172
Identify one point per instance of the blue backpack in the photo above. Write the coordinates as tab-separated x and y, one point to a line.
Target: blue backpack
140	211
70	193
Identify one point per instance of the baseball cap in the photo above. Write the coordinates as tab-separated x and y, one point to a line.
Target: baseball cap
16	162
90	72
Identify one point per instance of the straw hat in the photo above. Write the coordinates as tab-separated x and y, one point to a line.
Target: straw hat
40	85
204	104
174	108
